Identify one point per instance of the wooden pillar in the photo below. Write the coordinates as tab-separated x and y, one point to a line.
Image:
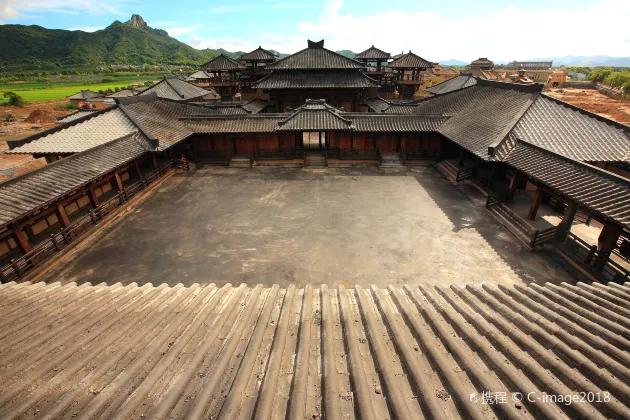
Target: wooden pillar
138	171
353	145
117	182
538	195
93	197
461	157
277	141
61	215
513	184
21	240
567	221
606	243
154	163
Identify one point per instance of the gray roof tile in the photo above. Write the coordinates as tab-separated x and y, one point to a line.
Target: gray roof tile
222	62
460	82
315	58
409	61
103	127
574	133
176	89
31	191
373	53
259	54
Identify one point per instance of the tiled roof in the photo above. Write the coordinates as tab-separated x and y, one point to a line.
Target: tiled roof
315	80
410	60
222	62
74	116
255	105
575	133
315	115
179	90
33	190
272	353
86	94
248	123
73	137
231	110
379	105
125	93
160	119
482	115
460	82
259	54
482	62
600	191
373	53
200	74
369	122
315	58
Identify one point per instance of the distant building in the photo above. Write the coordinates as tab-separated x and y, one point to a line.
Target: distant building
529	65
85	95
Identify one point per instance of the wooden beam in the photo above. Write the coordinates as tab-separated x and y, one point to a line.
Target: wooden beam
538	195
516	178
21	240
61	215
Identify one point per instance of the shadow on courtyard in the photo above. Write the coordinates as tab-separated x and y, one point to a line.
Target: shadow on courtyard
334	226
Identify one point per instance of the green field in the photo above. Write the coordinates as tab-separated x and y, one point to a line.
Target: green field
56	91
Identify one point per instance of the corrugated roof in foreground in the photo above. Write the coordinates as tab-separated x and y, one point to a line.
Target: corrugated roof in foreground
267	353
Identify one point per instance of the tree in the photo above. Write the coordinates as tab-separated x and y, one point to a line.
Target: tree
14	99
598	75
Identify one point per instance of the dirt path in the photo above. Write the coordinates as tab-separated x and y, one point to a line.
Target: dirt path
594	101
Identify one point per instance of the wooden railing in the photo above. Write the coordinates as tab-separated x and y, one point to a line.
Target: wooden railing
544	236
596	263
464	173
422	154
56	242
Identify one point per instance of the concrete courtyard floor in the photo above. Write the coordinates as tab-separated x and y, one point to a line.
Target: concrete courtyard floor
335	226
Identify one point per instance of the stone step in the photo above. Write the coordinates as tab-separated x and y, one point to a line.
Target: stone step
240	163
449	171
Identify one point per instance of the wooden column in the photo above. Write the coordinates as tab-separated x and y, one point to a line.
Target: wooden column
461	156
606	243
61	215
138	171
21	240
353	145
513	184
93	197
117	182
531	214
154	163
277	141
567	221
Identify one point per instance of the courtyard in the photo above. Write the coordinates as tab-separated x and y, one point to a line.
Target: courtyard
275	225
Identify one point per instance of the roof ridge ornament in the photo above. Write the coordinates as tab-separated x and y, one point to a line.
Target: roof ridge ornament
316	45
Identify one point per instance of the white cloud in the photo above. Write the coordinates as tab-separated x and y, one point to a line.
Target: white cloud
182	31
12	9
87	29
506	34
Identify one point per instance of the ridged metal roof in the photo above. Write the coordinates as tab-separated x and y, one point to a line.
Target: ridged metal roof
268	353
101	128
315	80
28	192
572	132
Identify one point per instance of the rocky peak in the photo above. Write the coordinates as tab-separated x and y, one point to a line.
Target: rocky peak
137	22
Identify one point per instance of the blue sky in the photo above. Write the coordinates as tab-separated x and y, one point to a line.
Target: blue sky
436	30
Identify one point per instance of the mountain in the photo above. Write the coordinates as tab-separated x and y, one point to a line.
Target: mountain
132	42
346	53
587	61
453	62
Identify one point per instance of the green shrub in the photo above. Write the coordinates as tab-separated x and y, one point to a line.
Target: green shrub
14	99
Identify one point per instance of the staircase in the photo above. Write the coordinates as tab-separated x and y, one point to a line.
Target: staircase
390	160
240	162
447	169
315	161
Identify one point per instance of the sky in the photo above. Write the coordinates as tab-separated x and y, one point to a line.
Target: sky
501	30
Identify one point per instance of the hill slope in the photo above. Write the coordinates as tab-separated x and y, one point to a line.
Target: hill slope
132	42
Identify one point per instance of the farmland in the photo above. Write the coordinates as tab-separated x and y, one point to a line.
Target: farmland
55	91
